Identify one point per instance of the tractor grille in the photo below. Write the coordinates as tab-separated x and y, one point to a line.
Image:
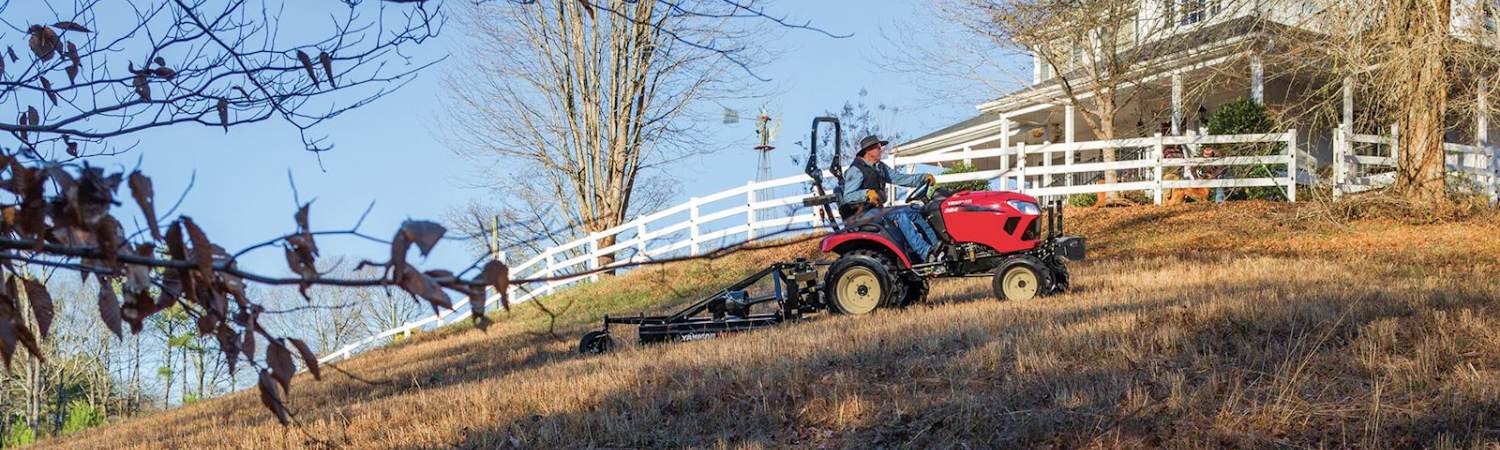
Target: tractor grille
1033	231
1011	224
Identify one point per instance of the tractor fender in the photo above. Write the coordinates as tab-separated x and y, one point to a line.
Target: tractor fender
842	242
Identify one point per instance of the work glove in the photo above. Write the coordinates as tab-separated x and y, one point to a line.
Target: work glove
873	196
929	179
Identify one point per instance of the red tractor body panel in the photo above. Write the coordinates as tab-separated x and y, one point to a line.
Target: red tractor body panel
985	217
841	242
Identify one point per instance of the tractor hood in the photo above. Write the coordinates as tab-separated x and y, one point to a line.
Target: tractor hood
995	200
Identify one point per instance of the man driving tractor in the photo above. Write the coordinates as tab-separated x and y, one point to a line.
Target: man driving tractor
864	187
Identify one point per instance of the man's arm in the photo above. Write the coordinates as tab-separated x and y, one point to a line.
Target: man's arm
905	179
853	178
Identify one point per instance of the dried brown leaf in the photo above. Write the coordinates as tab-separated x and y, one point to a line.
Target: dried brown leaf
142	86
145	198
33	118
476	310
8	340
280	361
308	65
72	26
109	308
47	87
223	107
423	233
41	305
309	358
73	56
421	286
271	398
202	251
43	42
327	62
497	275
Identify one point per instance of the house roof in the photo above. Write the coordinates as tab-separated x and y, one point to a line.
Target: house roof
982	118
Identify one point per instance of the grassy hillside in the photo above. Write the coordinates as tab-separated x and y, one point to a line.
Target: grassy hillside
1248	325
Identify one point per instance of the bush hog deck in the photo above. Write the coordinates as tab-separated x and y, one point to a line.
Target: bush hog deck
1004	235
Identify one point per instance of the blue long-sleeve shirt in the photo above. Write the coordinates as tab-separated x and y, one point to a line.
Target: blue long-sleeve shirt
853	177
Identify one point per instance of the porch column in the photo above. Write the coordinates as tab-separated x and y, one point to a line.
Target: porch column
1068	123
1004	142
1342	146
1482	114
1176	103
1257	79
1068	137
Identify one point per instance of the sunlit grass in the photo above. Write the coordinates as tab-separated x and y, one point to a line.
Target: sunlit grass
1253	325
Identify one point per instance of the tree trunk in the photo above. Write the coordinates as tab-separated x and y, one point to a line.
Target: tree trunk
1421	171
1106	132
608	258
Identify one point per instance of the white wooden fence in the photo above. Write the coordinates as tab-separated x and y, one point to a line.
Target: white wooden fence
755	210
1362	162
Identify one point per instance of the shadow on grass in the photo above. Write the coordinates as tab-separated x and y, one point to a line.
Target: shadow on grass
1226	375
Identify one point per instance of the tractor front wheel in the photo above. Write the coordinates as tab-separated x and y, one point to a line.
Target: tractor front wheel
861	281
1022	278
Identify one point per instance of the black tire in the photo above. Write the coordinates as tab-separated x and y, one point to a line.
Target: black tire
1062	281
916	292
852	278
1022	278
595	342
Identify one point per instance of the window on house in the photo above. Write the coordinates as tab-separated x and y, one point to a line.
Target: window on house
1194	11
1488	9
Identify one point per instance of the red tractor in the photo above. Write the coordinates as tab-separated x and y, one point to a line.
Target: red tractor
979	233
1004	235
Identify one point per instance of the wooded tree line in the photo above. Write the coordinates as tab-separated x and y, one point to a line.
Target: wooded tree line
87	378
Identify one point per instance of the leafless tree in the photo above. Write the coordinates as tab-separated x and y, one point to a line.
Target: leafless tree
1099	52
577	106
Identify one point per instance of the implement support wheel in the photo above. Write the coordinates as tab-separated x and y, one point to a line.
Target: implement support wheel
595	342
1022	278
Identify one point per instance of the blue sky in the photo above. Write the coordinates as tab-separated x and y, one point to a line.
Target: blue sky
389	153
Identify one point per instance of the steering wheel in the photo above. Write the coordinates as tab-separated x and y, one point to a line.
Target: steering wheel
918	193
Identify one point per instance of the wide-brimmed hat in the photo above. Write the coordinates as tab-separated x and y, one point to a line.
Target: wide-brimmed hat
867	142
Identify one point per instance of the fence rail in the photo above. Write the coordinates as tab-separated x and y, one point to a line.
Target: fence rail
1363	162
761	208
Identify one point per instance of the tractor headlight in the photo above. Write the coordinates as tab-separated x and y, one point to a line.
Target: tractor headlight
1025	207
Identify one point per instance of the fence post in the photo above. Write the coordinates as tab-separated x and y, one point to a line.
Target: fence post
693	227
1396	145
1291	167
1156	155
1021	167
593	261
1068	161
1047	162
750	211
640	241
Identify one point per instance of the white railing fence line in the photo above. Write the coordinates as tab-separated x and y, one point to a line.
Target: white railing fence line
1143	164
1363	162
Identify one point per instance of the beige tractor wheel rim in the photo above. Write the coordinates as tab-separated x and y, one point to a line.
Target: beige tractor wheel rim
1020	283
859	290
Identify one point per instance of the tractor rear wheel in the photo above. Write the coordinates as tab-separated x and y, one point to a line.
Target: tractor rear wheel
861	281
1022	278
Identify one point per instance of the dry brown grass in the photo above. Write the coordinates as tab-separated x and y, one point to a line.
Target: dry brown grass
1250	325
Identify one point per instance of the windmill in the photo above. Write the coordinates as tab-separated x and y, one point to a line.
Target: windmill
765	129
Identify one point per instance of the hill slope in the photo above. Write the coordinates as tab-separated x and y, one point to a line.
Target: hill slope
1246	325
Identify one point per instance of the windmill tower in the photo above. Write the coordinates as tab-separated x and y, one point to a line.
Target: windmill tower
767	131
